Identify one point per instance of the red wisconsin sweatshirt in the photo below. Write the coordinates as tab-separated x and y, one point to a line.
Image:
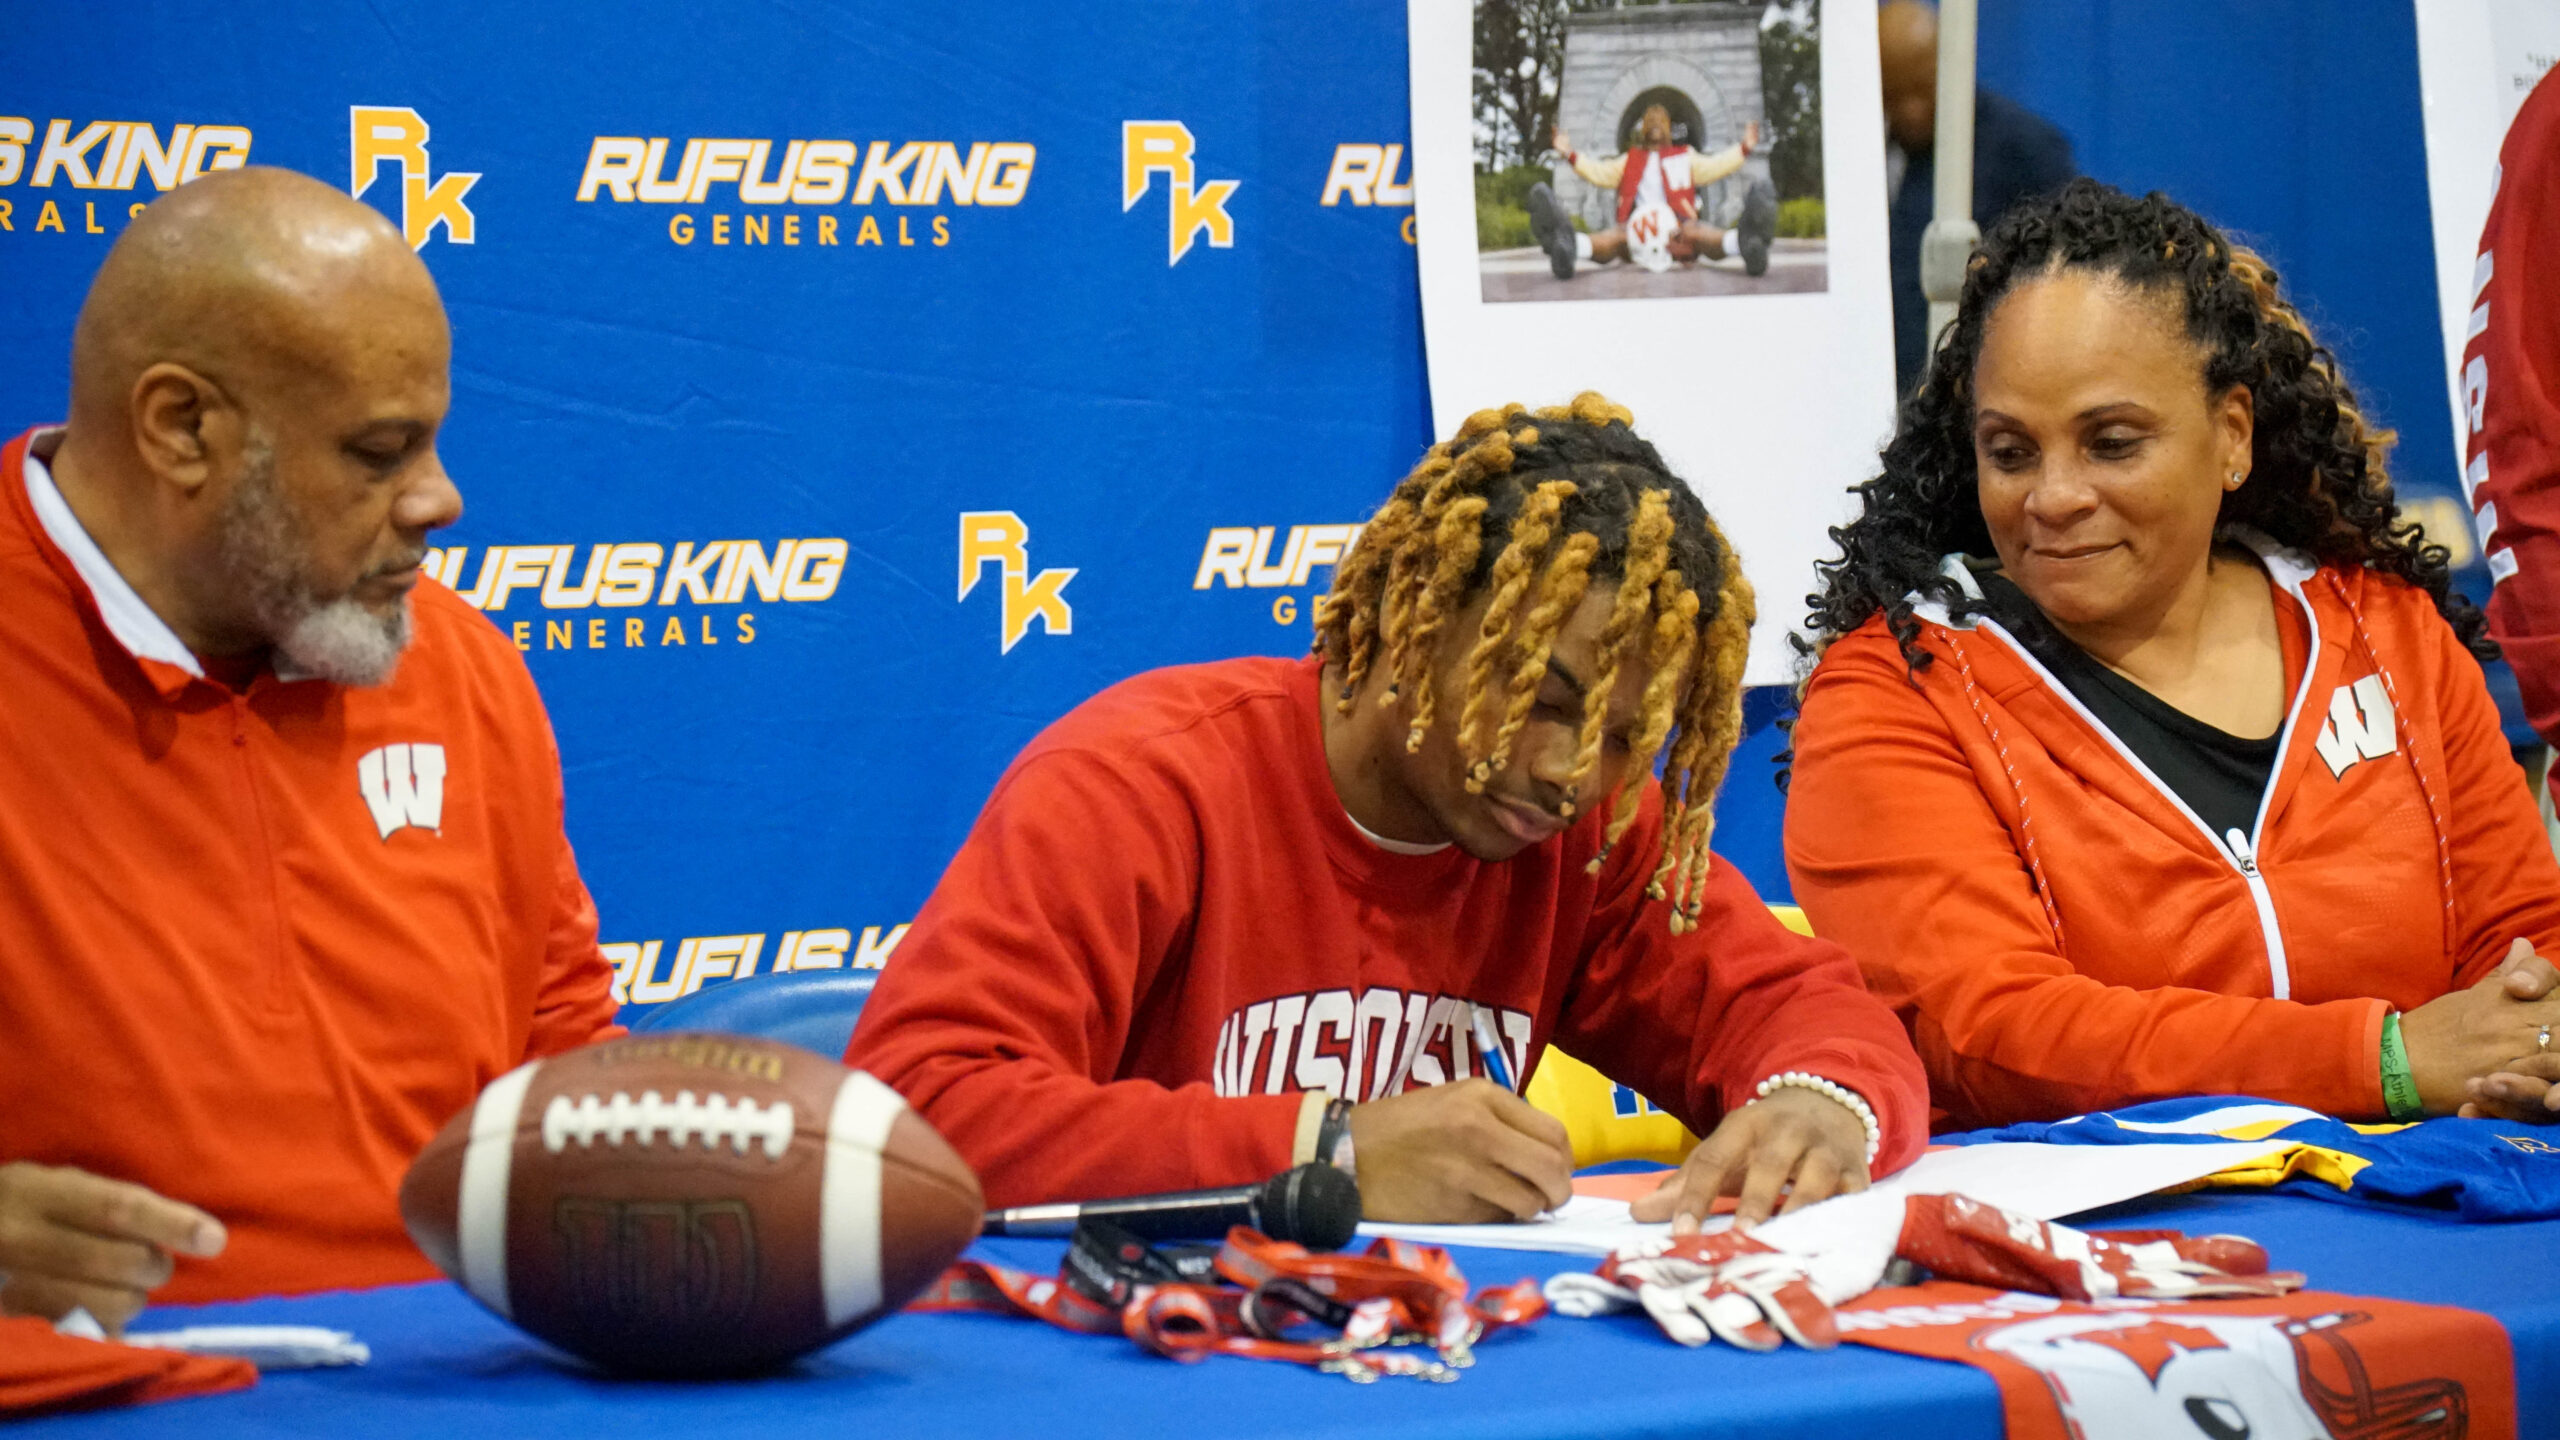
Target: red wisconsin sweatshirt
1164	933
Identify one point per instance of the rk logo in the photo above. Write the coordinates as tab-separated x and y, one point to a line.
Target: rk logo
396	133
1150	146
999	537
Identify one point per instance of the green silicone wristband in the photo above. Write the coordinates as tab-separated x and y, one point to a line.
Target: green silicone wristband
2399	1087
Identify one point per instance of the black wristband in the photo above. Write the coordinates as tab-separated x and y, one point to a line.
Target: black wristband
1333	1137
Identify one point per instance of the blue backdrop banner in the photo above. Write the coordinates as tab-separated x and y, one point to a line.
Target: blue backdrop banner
843	391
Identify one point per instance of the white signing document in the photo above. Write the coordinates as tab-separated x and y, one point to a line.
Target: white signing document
2048	1182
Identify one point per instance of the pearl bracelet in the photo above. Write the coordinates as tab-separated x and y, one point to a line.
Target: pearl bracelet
1806	1081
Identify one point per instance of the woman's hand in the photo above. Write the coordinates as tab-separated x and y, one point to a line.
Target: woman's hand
2525	1090
2459	1042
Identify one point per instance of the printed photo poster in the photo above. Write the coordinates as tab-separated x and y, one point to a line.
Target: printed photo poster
2477	61
1682	207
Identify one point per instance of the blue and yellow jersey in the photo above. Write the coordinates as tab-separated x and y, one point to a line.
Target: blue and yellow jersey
2479	1169
1606	1121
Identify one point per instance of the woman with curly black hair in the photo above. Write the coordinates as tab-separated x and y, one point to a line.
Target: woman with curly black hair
2148	752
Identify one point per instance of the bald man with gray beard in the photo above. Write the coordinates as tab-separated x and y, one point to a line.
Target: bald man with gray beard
283	881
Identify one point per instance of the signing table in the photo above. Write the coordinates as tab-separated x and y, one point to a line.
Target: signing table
445	1369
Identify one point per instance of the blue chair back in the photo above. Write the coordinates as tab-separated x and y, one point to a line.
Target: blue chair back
813	1009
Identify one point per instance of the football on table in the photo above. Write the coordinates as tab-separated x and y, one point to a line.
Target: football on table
690	1204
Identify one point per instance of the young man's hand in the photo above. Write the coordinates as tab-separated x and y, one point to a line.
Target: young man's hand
72	1240
1793	1134
1465	1153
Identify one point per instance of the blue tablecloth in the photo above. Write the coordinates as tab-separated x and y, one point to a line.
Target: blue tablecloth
445	1369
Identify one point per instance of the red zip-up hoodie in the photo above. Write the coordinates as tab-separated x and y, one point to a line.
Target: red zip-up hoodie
2062	934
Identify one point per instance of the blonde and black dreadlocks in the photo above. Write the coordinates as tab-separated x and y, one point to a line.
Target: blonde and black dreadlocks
1534	507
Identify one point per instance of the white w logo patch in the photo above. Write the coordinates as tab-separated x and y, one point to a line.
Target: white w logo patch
2360	725
404	786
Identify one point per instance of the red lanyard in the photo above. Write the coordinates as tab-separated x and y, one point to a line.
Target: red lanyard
1279	1299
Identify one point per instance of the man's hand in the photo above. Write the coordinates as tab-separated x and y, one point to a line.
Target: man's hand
2456	1038
1563	145
70	1239
1792	1134
1459	1154
1751	138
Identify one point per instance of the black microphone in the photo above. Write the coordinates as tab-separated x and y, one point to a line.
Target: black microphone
1314	1205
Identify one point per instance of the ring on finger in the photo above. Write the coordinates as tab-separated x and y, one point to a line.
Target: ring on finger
2543	1040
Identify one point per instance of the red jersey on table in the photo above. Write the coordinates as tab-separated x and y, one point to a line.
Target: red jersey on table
2511	395
1164	933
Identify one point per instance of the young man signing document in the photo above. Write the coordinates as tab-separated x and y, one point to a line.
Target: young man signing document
1225	918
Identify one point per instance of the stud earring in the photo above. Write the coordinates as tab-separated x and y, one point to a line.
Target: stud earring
2238	477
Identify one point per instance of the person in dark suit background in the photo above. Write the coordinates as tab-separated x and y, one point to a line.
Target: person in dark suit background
2016	154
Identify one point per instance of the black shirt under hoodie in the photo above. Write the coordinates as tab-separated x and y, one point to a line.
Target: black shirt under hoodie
2219	775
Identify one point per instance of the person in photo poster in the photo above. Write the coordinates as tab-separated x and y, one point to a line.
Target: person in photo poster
1657	186
1703	174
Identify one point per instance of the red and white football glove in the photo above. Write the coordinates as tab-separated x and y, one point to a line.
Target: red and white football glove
1757	1290
1761	1290
1701	1287
1957	1238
